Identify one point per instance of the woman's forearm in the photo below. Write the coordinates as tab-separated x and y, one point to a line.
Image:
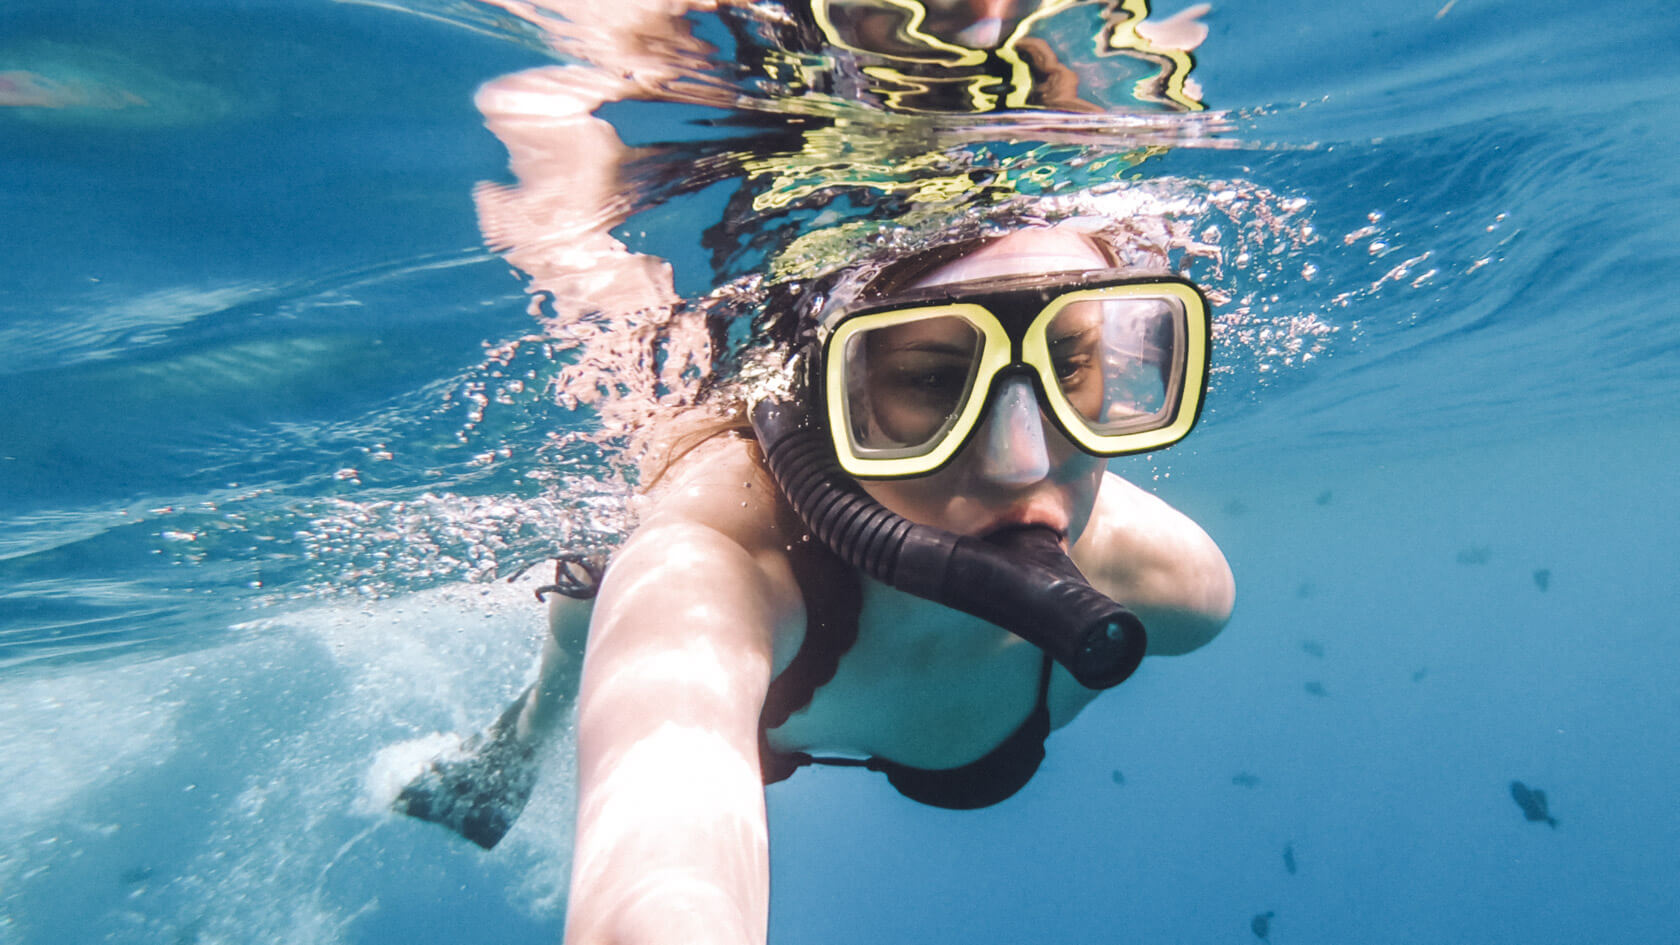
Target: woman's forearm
672	845
684	862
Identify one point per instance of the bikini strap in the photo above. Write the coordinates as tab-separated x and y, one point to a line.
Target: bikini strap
1044	684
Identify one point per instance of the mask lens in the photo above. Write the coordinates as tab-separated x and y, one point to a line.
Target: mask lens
906	383
1119	361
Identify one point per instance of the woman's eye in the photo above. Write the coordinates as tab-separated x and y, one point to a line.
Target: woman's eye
940	381
1069	369
1074	356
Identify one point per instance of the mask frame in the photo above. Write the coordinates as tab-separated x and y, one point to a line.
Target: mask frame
1011	316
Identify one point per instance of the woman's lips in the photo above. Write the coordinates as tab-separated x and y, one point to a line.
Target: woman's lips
1023	523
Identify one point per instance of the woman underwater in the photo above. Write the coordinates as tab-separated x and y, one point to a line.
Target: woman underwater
962	408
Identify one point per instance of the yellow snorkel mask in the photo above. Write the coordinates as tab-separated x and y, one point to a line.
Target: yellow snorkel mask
1119	362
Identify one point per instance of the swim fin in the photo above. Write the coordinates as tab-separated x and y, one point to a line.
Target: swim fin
480	793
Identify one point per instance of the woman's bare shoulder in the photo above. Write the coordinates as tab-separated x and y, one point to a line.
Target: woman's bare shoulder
1121	496
722	485
1125	513
711	554
1143	552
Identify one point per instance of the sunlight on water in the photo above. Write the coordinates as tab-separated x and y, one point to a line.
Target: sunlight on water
65	84
832	144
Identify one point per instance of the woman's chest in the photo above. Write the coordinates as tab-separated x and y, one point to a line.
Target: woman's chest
922	685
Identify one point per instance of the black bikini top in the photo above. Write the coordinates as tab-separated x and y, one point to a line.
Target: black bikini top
834	599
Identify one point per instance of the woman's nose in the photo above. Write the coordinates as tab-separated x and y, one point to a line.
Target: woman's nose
1011	439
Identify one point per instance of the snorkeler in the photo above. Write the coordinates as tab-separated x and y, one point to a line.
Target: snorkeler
935	495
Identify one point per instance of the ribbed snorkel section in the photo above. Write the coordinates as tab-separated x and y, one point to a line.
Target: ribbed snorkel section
1020	580
842	516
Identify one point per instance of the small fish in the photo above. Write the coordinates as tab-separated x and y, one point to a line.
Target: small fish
1481	554
1543	578
1533	804
1315	688
1262	925
1118	777
1304	590
1417	675
1324	497
1289	858
1236	507
1244	779
1313	648
135	874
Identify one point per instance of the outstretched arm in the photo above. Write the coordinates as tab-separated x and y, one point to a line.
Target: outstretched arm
671	842
1155	560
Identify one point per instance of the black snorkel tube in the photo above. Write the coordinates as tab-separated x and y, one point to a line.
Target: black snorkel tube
1019	579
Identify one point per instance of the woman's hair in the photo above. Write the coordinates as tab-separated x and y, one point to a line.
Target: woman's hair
701	425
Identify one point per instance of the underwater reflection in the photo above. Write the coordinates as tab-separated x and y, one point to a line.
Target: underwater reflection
840	133
1004	54
913	56
21	88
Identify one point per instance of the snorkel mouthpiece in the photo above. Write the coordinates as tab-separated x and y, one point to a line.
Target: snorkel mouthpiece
1017	578
1043	598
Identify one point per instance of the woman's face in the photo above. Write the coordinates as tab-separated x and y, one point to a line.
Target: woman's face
1017	468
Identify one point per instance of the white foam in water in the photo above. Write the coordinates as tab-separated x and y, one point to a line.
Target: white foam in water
62	738
241	794
397	765
60	743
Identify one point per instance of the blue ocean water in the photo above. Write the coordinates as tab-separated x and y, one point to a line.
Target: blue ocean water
261	482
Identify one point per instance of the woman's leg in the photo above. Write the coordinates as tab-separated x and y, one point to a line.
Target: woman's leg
480	792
